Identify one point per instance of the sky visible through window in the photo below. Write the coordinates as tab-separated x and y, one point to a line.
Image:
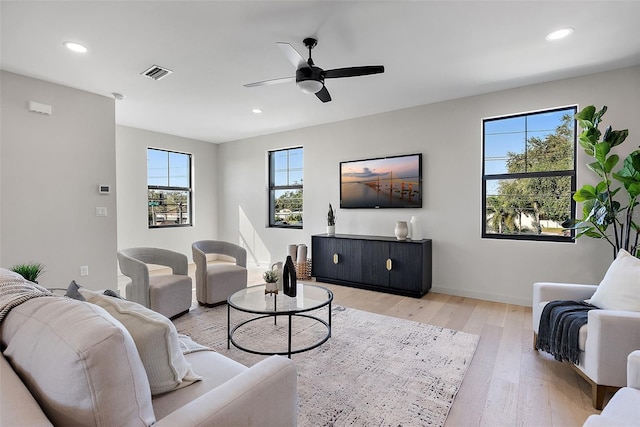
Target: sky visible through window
167	169
510	135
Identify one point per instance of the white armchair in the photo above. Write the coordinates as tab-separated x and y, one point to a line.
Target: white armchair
605	341
167	294
624	407
215	282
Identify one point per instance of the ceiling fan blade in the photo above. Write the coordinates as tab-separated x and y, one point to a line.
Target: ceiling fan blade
271	82
323	94
353	71
292	55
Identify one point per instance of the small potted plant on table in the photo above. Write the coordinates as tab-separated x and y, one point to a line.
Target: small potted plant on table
271	278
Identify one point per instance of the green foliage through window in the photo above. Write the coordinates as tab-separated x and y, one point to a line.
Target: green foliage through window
529	175
285	188
168	188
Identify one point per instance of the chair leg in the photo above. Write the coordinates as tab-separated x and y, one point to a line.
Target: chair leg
535	341
598	391
597	395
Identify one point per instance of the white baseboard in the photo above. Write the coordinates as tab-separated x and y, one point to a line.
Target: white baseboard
482	296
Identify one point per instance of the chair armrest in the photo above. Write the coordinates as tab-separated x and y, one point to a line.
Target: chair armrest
200	260
139	274
549	291
633	369
265	394
611	336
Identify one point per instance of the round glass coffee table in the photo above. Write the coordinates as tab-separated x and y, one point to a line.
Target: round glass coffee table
255	301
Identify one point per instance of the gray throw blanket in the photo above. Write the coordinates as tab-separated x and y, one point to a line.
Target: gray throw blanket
14	292
559	329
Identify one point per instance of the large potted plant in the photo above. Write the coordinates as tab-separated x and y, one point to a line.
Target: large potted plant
603	216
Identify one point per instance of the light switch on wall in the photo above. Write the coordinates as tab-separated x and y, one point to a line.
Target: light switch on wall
101	211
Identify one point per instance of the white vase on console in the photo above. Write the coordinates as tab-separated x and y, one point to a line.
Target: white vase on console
416	228
401	230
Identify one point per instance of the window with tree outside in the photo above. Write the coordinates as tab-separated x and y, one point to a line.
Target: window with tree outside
529	175
285	188
168	188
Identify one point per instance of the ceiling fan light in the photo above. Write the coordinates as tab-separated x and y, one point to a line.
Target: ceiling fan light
310	86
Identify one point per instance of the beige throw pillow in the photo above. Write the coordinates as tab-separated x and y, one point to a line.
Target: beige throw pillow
620	288
156	339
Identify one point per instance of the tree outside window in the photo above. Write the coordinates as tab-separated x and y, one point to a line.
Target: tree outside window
168	188
529	175
285	188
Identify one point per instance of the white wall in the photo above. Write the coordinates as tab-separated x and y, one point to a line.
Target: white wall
131	158
50	170
449	136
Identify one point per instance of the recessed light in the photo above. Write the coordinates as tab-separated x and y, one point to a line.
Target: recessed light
559	34
256	111
76	47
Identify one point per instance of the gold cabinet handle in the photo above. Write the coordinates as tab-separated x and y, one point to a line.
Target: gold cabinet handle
389	264
335	258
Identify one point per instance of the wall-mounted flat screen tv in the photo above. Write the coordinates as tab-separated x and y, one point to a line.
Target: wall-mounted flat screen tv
385	182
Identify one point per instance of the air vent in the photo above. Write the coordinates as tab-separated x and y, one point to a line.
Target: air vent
156	72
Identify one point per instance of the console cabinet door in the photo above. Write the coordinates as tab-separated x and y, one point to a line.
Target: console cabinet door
374	269
407	266
338	259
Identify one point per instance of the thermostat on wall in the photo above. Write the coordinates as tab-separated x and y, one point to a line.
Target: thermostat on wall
104	189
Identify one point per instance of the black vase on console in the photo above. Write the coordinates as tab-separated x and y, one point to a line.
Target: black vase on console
289	286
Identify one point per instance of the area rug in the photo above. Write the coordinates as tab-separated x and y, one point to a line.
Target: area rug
374	370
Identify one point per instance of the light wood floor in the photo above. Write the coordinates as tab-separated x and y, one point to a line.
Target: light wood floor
508	383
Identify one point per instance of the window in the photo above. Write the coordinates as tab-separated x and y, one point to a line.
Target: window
285	188
168	188
529	175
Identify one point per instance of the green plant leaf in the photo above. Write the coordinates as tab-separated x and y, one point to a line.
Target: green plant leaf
587	192
602	186
601	151
611	162
586	113
597	168
616	137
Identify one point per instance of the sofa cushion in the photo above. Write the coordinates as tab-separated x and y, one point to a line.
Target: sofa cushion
215	369
78	362
156	339
620	288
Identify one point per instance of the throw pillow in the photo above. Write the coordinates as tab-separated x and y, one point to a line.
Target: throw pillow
620	288
72	291
156	339
111	293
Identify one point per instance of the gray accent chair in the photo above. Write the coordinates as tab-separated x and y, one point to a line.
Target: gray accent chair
167	294
215	282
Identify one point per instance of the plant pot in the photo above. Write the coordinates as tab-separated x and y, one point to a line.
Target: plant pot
271	287
331	230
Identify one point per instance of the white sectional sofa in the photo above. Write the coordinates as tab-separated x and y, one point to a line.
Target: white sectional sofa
71	363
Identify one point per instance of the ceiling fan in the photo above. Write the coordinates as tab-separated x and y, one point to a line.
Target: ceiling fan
309	78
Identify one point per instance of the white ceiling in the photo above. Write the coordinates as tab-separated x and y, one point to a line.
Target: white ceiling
432	51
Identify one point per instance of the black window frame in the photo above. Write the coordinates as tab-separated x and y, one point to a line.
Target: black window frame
569	235
188	190
272	188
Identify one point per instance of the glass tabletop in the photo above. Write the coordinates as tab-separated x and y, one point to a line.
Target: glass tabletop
254	300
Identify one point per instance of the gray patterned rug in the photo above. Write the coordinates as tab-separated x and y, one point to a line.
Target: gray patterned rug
374	370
